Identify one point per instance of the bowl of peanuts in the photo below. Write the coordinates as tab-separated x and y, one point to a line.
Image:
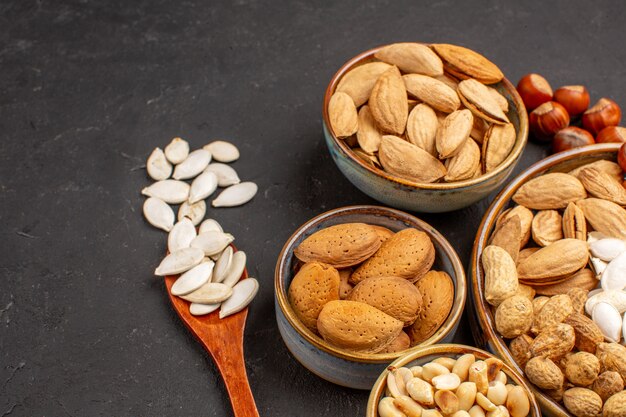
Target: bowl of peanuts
451	380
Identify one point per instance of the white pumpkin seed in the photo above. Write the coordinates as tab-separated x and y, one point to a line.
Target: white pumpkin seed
243	293
222	265
237	266
193	279
209	293
157	166
226	175
222	151
179	261
614	276
236	195
608	320
593	236
194	164
170	191
212	242
607	249
616	298
202	187
158	213
177	150
195	212
210	225
598	266
624	328
181	235
197	309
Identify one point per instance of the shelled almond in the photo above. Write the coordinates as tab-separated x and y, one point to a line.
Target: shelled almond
566	335
367	289
424	113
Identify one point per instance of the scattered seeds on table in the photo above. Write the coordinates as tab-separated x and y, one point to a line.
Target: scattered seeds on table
210	225
222	151
179	261
236	195
193	279
177	150
195	212
158	213
170	191
195	163
243	293
181	235
203	186
157	166
226	175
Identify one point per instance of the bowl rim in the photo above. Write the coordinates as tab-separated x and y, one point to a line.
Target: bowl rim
458	306
520	140
485	228
446	349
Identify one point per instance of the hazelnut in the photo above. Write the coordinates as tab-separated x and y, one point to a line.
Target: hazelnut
571	137
604	113
575	98
548	119
614	134
534	90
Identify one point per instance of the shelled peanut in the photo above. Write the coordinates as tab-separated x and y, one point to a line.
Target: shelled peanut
456	387
539	275
425	113
367	289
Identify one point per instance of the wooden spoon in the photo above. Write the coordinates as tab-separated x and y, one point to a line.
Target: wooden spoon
223	339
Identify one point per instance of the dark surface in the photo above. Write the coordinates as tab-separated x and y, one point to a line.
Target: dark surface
89	88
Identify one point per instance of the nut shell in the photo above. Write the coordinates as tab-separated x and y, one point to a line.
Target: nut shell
437	291
615	406
514	316
314	285
608	384
582	368
544	373
582	402
553	342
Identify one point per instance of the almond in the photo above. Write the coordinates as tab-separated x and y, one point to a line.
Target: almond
561	258
313	286
608	167
500	275
604	216
408	254
525	218
432	92
408	161
602	185
453	133
547	227
411	58
574	223
394	296
476	97
357	326
421	128
500	99
437	291
550	191
583	279
388	102
368	135
466	63
464	164
343	116
497	144
359	82
508	236
341	246
400	343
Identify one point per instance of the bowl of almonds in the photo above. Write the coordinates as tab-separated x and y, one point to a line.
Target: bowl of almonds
450	380
429	128
548	277
357	287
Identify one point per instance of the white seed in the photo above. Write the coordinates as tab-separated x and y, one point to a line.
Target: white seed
616	298
195	212
158	213
226	175
202	187
197	309
193	279
607	249
237	266
170	191
181	235
614	276
209	293
212	242
177	150
593	236
179	261
210	225
624	328
236	195
222	151
194	164
222	265
243	293
598	266
608	320
157	166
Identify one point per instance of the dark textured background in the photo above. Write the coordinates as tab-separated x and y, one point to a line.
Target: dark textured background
89	88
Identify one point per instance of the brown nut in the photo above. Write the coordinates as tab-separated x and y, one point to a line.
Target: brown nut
571	137
554	342
582	368
514	316
615	406
548	119
582	402
575	98
608	384
604	113
544	373
520	349
534	90
612	358
612	134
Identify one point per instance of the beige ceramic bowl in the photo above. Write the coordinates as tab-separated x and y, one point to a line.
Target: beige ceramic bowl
428	353
340	366
422	197
483	324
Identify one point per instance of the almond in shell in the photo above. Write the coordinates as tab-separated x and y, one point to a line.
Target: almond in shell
604	216
497	144
464	164
359	82
421	128
500	275
608	167
574	223
408	161
602	185
432	92
525	217
550	191
357	326
312	287
561	258
583	279
400	343
453	133
411	57
437	290
340	246
547	227
408	254
343	116
476	97
465	63
388	102
368	136
508	236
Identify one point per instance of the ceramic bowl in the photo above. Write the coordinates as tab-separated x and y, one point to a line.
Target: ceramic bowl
340	366
423	197
483	324
428	353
